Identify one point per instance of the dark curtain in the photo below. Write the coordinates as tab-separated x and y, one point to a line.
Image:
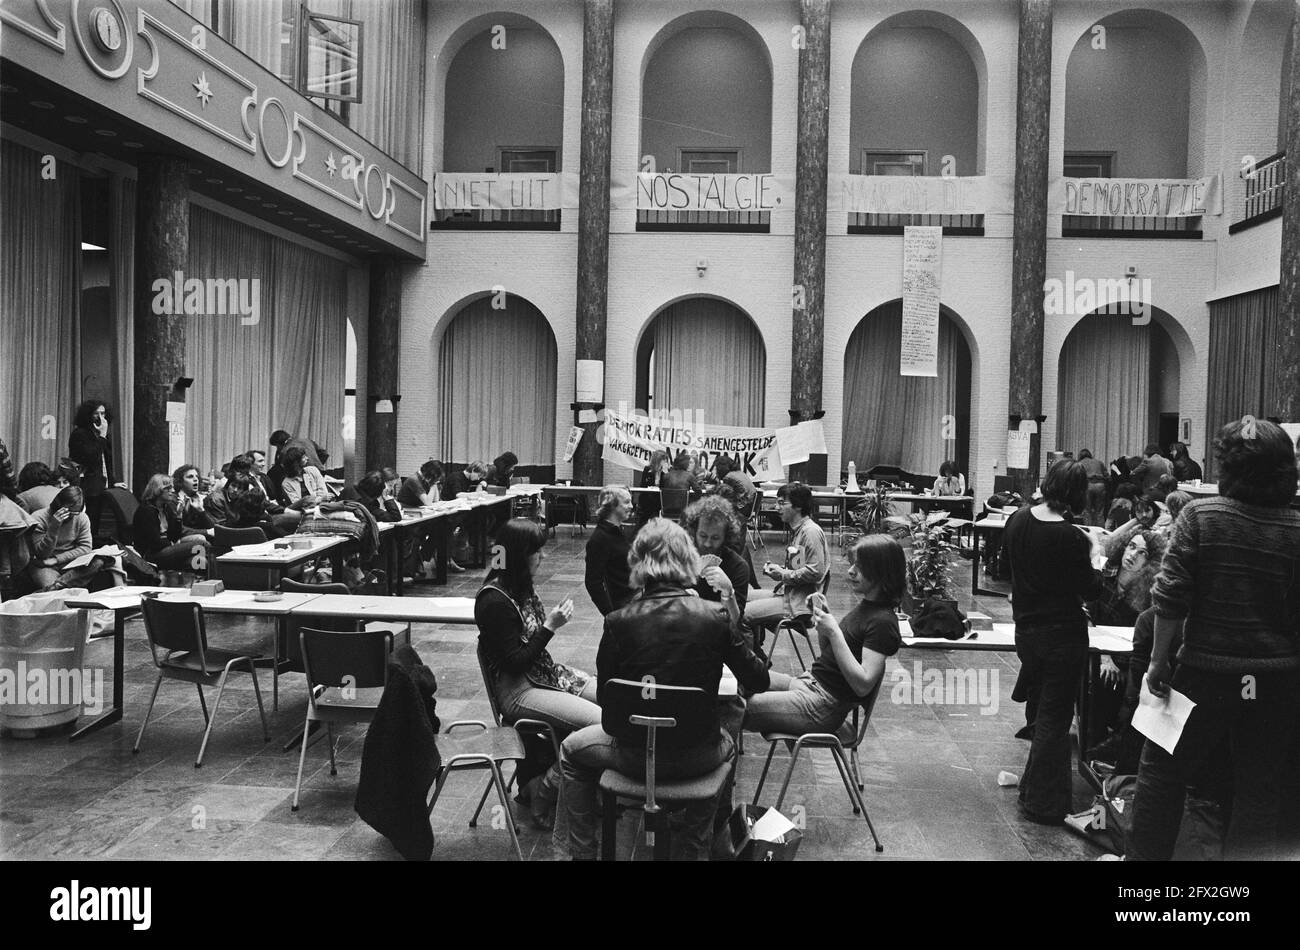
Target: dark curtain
1243	361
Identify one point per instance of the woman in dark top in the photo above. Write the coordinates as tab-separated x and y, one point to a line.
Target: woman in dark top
159	535
711	522
374	494
422	489
851	662
607	569
1185	467
1230	585
514	630
502	468
189	506
88	446
1052	575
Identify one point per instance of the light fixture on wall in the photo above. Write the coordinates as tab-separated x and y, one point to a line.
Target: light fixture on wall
701	267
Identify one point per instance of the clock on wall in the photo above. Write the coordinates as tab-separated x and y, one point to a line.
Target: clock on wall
107	29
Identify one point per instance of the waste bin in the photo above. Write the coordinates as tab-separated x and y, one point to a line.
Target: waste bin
41	645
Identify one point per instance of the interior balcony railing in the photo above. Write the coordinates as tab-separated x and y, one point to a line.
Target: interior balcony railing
1264	185
1134	226
489	219
954	225
735	222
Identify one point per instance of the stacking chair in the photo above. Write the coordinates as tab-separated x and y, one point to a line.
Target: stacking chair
673	502
661	707
521	726
178	629
849	773
223	538
829	515
801	624
486	749
346	676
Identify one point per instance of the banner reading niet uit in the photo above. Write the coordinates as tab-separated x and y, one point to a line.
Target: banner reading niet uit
631	438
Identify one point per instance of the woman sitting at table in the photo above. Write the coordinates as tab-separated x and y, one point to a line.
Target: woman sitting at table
658	466
159	533
607	569
711	522
514	630
422	489
679	477
950	481
852	654
373	493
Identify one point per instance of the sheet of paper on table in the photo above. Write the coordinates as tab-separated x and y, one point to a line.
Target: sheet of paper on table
1162	720
773	826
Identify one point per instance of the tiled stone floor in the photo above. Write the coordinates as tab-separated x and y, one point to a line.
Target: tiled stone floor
930	771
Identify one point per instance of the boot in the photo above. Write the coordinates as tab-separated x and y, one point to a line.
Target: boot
543	795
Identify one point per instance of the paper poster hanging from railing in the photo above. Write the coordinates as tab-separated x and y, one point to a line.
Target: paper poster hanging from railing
922	260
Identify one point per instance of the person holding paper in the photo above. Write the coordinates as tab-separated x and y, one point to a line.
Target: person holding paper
62	534
851	660
1052	574
607	574
711	523
1230	584
807	562
666	635
514	630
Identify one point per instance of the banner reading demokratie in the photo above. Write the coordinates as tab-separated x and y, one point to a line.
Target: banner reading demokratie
631	438
1138	197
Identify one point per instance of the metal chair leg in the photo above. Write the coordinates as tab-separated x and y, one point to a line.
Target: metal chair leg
152	699
771	748
795	643
839	754
329	732
794	758
842	767
473	822
505	804
302	758
257	691
853	761
212	720
203	703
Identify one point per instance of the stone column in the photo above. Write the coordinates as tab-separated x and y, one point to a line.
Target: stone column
593	219
809	291
1029	244
1287	403
384	330
162	241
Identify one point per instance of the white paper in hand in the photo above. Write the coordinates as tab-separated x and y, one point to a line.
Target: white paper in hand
1162	720
771	827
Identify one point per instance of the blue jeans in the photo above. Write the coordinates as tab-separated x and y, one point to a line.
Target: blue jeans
795	704
588	752
1233	749
1052	658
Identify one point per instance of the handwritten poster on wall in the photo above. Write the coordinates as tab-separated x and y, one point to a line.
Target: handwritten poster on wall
922	259
1018	445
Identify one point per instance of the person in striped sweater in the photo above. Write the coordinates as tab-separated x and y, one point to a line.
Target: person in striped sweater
1229	584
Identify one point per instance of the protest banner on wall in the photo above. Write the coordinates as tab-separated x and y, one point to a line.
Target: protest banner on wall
895	194
489	191
630	438
683	191
1137	197
922	259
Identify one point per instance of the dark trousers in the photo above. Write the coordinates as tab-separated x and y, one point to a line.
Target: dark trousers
1052	659
1233	748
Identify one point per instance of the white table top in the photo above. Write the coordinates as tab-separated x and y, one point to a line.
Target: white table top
1003	637
227	602
414	609
266	553
1202	490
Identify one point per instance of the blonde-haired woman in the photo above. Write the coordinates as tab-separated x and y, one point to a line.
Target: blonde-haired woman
607	575
669	634
158	533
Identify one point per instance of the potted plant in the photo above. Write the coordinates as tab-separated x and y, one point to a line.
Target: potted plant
872	511
929	561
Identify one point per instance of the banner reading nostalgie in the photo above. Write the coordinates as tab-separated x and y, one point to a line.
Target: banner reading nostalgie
922	259
631	438
683	191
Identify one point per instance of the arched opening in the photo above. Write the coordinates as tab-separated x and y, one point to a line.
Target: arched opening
497	368
706	107
913	422
504	108
704	358
1119	386
1111	129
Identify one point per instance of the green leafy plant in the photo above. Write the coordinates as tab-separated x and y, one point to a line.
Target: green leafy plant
929	563
873	510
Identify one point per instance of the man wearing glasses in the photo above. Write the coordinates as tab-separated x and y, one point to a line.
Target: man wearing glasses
806	562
